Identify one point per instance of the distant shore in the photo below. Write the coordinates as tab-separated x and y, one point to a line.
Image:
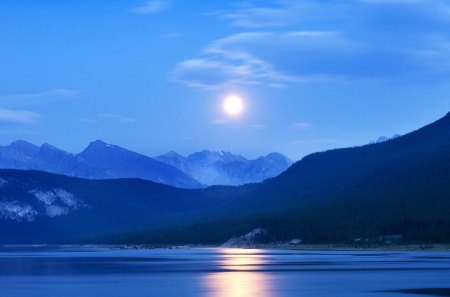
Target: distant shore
396	247
299	247
306	247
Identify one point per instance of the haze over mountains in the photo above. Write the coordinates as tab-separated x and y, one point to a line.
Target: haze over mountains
225	168
101	160
398	187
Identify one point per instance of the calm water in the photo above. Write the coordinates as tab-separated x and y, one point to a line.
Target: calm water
85	272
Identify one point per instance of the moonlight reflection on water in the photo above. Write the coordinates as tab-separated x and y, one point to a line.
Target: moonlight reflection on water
91	272
242	276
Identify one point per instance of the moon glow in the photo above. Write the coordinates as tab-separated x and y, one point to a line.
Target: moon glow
233	105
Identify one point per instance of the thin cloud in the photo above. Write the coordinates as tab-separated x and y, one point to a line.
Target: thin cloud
18	116
219	122
151	7
127	120
207	74
356	40
52	93
86	120
258	126
302	125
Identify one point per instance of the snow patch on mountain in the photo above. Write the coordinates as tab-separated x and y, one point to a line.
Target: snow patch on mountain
55	210
225	168
16	211
57	202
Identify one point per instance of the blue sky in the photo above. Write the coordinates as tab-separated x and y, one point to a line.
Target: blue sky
151	75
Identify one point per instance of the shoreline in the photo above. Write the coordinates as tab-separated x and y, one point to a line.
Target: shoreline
348	247
301	247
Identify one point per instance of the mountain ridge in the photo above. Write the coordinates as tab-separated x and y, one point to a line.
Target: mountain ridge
101	160
24	155
399	187
225	168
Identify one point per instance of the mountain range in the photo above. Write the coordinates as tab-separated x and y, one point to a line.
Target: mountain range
101	160
397	188
225	168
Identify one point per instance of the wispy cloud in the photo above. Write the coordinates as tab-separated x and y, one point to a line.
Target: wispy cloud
277	15
86	120
219	122
346	40
302	125
152	7
207	74
52	93
18	116
127	120
255	58
258	126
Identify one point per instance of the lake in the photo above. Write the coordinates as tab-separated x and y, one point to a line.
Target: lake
85	271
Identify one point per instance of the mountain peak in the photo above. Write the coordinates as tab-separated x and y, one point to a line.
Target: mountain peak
23	145
172	154
207	156
99	145
99	142
48	148
278	157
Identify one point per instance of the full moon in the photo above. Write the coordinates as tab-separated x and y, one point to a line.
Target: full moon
233	105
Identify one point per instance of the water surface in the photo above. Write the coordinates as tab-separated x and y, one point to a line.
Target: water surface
84	272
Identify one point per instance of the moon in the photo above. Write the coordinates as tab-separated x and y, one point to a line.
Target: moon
233	105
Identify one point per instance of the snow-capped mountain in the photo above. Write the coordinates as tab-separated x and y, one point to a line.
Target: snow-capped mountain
225	168
122	163
101	160
98	161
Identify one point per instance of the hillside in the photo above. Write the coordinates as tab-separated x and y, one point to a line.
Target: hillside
99	160
397	187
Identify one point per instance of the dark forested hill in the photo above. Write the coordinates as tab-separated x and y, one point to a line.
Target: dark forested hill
397	187
39	207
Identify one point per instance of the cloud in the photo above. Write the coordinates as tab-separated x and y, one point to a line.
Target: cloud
282	13
86	120
302	125
389	41
219	122
279	14
203	73
258	126
49	94
151	7
127	120
18	116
